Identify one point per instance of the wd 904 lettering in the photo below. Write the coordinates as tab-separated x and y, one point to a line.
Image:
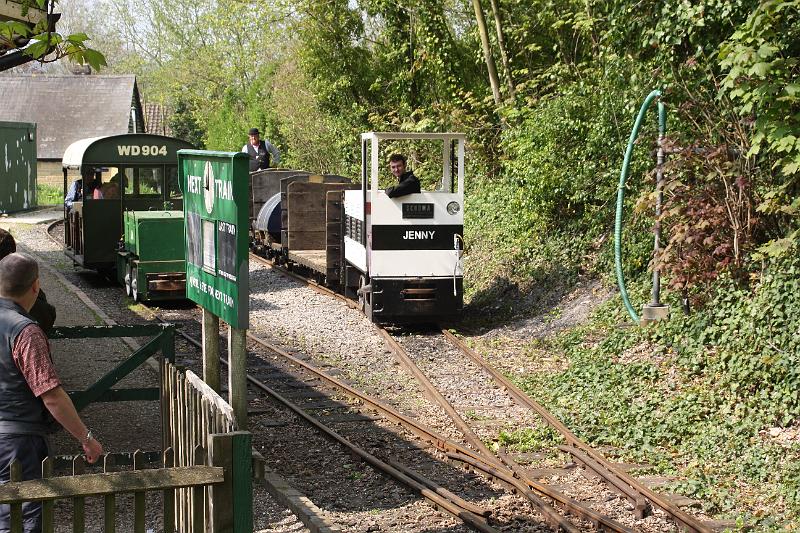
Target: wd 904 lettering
146	150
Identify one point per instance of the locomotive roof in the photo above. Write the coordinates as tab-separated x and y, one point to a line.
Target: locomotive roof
399	135
111	149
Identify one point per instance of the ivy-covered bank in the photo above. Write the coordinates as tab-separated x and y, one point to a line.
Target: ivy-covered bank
712	398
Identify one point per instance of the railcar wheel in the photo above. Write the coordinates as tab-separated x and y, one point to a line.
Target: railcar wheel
128	287
135	284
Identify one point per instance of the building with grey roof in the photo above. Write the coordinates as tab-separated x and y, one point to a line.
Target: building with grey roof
67	108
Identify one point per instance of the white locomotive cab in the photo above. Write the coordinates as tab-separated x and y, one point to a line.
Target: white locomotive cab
408	249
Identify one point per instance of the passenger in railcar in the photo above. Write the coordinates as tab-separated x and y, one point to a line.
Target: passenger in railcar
97	189
261	153
75	193
33	397
42	311
110	189
407	182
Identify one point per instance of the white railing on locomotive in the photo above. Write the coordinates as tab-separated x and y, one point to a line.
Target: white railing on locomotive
370	143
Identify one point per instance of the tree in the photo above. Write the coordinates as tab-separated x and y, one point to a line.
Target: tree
501	44
487	50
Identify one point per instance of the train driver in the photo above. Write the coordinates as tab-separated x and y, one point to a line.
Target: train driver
407	182
260	152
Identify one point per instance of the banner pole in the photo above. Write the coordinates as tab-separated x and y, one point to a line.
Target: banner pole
211	372
237	374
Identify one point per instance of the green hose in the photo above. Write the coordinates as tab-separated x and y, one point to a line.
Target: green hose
621	194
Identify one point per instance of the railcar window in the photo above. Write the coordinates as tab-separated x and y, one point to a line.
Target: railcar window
128	181
105	185
150	181
173	186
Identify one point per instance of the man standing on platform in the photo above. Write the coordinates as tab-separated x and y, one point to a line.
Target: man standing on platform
32	396
263	154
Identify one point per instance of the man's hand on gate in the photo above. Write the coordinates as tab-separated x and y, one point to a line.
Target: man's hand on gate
93	450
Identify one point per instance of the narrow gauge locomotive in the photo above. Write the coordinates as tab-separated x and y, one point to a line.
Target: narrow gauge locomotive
401	257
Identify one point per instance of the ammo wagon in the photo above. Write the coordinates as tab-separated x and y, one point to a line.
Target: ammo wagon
151	264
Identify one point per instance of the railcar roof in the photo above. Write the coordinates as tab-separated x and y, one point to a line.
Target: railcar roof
104	150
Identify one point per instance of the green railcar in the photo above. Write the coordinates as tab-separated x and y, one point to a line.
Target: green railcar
106	177
152	261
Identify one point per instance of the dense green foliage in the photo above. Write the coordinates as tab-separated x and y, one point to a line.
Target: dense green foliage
763	66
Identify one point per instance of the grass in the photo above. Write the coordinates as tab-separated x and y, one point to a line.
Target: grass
48	195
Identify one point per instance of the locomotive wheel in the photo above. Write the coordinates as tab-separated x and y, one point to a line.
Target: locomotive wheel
135	284
128	288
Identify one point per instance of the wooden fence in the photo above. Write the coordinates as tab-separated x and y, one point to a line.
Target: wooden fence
108	485
204	474
191	411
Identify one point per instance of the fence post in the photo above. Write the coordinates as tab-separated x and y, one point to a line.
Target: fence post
232	501
110	516
168	343
47	506
15	474
78	503
169	495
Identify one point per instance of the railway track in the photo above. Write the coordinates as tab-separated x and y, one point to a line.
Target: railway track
441	498
331	417
641	497
477	457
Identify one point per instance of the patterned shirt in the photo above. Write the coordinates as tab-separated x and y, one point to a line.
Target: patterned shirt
32	356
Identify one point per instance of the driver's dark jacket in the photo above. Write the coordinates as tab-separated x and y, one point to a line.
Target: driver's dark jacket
408	184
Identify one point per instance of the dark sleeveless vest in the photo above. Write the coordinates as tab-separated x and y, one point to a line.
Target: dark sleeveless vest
259	159
21	413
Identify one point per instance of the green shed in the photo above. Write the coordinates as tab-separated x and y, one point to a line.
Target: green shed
18	171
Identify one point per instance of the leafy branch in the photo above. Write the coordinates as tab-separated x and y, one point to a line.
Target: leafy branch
41	42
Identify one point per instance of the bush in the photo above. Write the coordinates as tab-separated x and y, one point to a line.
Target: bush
551	212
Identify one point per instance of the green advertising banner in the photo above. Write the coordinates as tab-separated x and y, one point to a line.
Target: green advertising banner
215	204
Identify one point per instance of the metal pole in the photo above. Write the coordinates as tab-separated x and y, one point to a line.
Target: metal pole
237	374
211	350
662	120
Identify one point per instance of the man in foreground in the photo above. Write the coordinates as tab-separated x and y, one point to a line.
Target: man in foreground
42	311
32	396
